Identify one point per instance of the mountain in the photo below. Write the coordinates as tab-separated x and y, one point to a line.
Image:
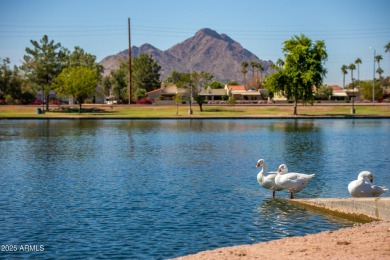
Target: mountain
207	50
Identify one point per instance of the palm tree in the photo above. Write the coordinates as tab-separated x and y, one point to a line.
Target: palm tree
358	61
244	71
379	71
352	67
387	47
280	63
253	65
344	70
378	59
260	69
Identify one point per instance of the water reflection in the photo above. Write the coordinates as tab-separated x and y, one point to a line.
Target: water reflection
286	219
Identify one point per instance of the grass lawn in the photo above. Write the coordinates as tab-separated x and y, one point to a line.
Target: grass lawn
156	111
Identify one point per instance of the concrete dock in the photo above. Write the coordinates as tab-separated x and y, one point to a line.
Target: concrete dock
364	209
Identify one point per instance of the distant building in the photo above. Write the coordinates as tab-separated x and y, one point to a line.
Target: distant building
165	95
239	93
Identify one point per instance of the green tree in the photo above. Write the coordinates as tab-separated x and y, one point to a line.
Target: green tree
140	93
5	78
358	61
80	58
145	73
12	86
199	81
119	81
79	82
324	92
233	83
106	82
43	63
180	79
366	90
177	100
303	68
216	85
344	71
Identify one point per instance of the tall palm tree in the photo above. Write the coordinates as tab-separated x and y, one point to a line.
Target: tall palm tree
379	71
344	70
280	63
244	70
352	67
253	65
378	59
260	69
387	47
358	61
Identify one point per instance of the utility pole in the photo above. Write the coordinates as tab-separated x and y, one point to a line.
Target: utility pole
129	56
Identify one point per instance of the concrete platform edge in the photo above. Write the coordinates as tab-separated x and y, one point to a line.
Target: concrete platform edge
361	209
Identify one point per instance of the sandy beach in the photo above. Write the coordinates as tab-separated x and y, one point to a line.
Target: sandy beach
362	241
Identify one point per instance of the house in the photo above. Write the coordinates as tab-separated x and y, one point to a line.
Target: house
239	93
338	93
211	94
165	95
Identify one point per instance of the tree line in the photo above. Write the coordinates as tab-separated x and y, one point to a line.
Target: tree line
49	66
366	87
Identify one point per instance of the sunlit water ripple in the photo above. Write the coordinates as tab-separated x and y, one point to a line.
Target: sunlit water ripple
159	189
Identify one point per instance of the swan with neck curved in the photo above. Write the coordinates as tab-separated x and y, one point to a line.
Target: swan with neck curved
267	180
360	189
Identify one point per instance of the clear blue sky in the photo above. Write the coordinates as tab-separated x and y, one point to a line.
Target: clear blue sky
348	27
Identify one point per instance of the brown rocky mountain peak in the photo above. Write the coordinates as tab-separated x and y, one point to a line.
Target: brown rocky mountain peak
206	51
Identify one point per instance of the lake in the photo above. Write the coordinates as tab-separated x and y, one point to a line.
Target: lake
157	189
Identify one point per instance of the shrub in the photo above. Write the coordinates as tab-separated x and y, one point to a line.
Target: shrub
144	101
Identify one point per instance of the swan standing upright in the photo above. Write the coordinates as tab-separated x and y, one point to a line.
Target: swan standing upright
359	188
292	181
267	181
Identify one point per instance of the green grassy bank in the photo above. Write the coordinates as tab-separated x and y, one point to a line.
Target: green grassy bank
156	111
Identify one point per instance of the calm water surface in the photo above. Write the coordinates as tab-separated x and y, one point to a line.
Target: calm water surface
164	188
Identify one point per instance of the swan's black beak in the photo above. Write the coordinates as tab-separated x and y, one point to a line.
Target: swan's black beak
257	165
372	179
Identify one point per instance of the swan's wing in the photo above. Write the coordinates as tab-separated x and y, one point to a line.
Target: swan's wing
378	190
369	190
296	177
269	182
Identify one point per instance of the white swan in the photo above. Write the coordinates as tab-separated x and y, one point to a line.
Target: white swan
267	181
359	188
292	181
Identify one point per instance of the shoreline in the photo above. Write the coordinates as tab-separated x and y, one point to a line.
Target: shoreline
86	117
181	112
362	241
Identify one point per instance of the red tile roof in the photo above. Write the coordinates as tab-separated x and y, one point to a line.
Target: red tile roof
241	87
336	87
